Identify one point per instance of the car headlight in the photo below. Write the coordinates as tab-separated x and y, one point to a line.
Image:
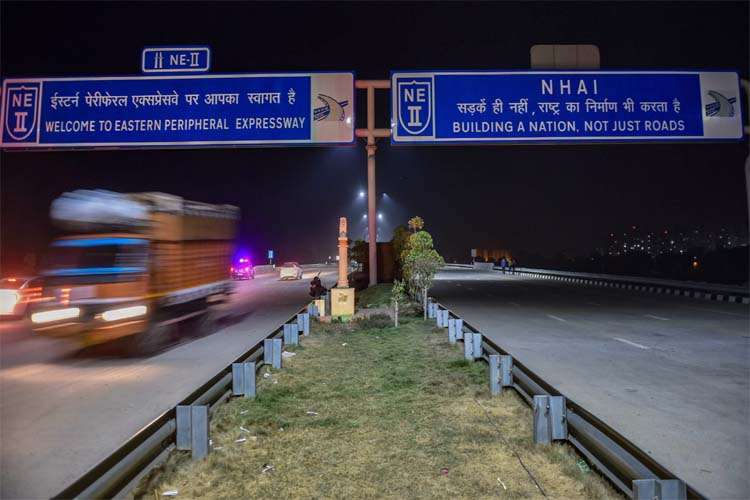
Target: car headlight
55	315
8	301
124	313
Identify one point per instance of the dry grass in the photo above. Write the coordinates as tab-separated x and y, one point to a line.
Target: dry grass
393	409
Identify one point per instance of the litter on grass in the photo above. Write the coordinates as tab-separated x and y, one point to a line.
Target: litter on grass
267	468
266	375
312	413
170	493
240	440
243	429
501	483
287	354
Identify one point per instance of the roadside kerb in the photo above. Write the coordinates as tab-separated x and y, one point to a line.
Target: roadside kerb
121	471
621	461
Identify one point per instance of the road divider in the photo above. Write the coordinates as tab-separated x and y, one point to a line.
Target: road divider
557	418
703	291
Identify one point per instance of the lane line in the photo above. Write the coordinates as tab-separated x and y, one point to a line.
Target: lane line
656	317
625	341
557	318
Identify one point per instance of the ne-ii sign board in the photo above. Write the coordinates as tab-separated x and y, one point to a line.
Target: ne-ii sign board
174	111
450	107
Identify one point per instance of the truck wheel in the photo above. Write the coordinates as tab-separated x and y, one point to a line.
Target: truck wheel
151	340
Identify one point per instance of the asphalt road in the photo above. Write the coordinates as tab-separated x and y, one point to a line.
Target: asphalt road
670	373
62	412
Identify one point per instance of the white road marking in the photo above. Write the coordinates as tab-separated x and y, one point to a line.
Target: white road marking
639	346
557	318
656	317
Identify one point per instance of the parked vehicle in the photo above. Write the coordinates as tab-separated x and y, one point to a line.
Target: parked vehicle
15	295
290	271
243	269
133	266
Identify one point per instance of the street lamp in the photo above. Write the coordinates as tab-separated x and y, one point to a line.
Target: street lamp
380	216
361	194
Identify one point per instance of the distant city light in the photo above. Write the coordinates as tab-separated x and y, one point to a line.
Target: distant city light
364	216
380	216
361	194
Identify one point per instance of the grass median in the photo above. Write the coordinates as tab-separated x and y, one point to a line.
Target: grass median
368	410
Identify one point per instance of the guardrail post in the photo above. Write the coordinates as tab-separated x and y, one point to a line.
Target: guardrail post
459	328
495	388
192	429
506	370
550	420
452	329
276	356
430	308
268	351
469	346
477	344
659	489
243	379
311	309
303	323
291	334
446	315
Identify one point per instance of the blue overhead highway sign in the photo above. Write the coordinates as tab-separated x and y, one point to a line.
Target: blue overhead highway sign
175	59
186	110
430	107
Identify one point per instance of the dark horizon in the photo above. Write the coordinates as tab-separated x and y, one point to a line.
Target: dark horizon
541	199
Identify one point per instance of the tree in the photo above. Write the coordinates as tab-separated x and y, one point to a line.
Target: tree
416	224
400	241
398	296
421	262
359	253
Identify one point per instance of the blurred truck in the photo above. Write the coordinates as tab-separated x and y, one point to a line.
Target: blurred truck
133	265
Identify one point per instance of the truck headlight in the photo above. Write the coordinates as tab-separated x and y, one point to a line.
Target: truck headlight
124	312
55	315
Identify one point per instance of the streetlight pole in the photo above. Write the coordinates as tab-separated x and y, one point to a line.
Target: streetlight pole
371	134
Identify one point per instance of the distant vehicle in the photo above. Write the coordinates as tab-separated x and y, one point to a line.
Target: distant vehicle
132	266
16	293
243	270
290	271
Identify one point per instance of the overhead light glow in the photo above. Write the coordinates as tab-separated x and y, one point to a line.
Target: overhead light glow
55	315
125	312
361	194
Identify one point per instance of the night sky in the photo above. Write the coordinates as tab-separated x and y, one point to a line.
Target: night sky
537	198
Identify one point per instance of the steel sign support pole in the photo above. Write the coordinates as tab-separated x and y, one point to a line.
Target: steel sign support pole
746	85
371	134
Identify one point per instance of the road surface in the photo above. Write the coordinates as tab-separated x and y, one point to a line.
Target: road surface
61	413
669	373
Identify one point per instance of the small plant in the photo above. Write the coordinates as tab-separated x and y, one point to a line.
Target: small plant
398	296
375	321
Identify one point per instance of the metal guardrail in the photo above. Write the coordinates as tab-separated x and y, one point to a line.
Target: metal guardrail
120	471
621	461
722	293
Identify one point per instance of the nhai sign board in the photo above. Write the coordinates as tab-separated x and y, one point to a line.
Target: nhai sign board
485	107
178	111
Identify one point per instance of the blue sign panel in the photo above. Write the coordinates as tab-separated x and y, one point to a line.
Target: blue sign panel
566	106
175	59
270	254
194	110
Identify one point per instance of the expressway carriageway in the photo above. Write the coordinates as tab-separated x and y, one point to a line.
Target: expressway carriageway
61	412
669	373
